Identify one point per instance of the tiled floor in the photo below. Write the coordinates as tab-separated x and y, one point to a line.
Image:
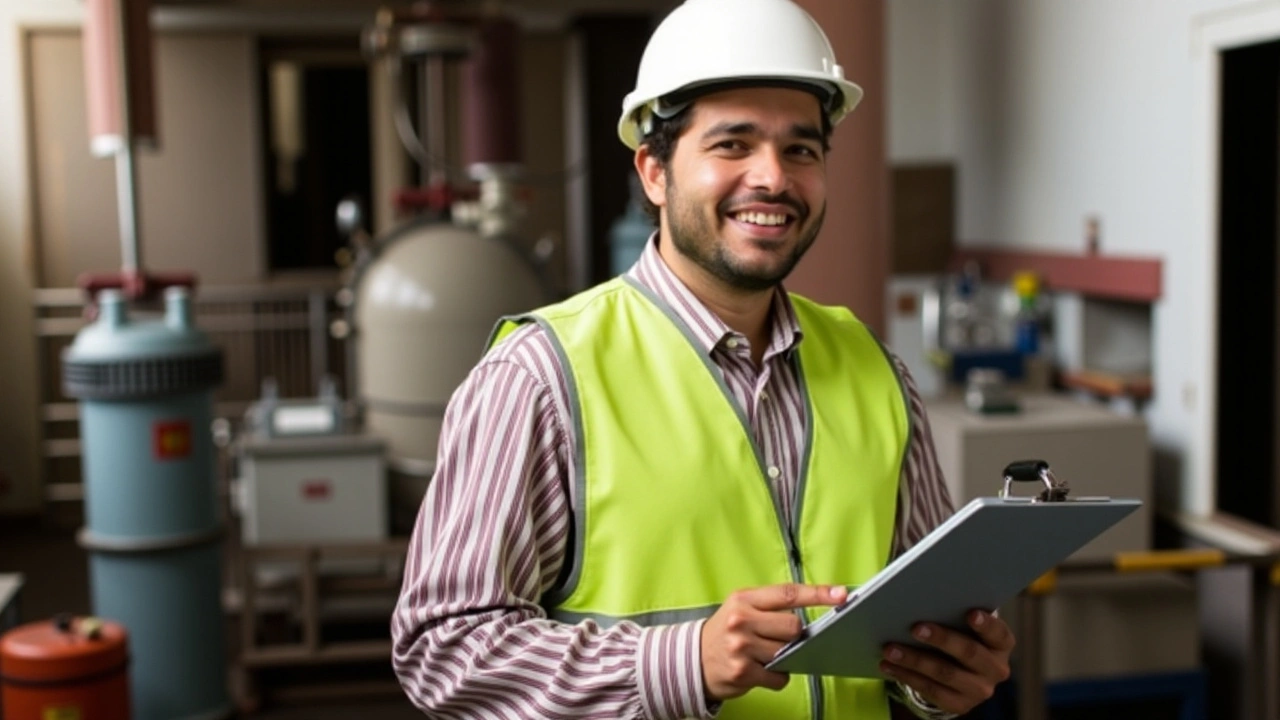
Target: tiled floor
56	577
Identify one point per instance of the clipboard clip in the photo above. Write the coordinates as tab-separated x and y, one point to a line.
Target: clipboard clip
1055	490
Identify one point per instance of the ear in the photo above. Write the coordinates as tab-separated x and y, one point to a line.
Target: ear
653	176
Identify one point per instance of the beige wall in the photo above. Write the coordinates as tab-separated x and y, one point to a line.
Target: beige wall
198	196
18	428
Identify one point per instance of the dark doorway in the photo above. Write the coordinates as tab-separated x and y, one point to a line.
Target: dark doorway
316	135
1247	299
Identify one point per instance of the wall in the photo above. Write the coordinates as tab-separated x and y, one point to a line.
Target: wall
18	435
921	104
1058	110
199	194
1054	111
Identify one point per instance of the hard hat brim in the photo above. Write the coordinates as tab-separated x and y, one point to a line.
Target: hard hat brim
839	98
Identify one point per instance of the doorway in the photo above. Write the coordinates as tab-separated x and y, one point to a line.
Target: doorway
316	145
1249	162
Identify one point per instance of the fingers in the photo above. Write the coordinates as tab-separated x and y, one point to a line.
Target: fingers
753	675
749	629
781	626
966	651
945	697
995	633
941	672
790	596
961	672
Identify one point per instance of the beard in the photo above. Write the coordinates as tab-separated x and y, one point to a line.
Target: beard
695	237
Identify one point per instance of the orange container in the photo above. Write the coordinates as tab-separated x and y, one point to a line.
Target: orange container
65	669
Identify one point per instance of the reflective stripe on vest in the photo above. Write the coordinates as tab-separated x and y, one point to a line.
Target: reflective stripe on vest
674	507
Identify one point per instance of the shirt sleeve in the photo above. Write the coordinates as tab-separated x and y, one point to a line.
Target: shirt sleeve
924	503
469	636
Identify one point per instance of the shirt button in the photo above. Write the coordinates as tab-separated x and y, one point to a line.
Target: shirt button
733	343
764	396
774	472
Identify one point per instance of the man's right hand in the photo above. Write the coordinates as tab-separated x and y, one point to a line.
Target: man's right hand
749	629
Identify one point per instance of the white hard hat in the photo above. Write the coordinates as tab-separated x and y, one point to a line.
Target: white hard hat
707	44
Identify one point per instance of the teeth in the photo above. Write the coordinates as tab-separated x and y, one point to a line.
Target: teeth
756	218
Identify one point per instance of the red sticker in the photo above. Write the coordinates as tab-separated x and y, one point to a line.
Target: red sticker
172	440
316	490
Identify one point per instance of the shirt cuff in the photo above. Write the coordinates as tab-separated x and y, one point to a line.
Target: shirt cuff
669	672
918	706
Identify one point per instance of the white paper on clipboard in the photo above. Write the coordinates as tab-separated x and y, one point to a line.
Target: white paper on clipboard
980	558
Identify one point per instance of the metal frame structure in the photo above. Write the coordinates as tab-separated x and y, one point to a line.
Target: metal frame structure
1264	665
302	599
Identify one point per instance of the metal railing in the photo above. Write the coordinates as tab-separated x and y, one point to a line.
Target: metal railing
269	330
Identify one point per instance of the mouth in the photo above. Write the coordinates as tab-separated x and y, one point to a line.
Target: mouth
763	219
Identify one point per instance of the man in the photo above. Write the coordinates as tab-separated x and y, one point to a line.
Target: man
638	490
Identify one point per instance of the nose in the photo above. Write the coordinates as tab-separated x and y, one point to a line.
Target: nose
767	172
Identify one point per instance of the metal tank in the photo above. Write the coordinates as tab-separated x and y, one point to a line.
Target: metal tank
422	311
423	299
153	529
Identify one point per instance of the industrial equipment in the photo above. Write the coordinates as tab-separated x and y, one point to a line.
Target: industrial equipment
305	477
423	299
145	386
943	327
153	529
63	669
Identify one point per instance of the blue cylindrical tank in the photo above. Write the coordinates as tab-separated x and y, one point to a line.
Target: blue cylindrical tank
153	527
629	232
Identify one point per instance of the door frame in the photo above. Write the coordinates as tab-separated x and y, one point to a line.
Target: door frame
1212	34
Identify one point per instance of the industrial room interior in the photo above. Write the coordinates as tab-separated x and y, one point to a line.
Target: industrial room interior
1102	173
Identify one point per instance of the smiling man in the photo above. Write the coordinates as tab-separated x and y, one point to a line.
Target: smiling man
641	491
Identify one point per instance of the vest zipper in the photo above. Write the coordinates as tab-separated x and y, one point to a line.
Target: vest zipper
797	575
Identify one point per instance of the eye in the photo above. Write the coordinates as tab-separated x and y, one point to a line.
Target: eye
730	144
806	151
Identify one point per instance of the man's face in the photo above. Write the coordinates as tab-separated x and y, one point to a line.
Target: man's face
745	195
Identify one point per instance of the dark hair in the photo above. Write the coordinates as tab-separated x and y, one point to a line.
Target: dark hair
662	140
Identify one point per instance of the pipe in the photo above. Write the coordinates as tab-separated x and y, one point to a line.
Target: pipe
492	100
117	46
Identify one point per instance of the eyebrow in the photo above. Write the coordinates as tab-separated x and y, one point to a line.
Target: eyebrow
801	131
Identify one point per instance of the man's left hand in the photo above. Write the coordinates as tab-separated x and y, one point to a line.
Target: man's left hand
963	672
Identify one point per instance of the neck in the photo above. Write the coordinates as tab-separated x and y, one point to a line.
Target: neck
744	311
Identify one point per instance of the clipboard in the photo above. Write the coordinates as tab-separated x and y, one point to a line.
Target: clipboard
980	558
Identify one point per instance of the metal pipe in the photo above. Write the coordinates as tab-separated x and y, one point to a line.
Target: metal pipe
1030	656
318	333
433	119
126	168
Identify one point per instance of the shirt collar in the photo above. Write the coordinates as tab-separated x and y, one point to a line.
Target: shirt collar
708	330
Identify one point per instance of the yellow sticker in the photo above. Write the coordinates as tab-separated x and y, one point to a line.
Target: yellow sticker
61	713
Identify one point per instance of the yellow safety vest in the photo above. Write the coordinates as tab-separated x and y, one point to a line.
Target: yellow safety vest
674	504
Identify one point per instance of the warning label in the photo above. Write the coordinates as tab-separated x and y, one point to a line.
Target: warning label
172	440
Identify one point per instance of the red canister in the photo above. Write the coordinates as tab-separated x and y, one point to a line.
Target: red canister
65	669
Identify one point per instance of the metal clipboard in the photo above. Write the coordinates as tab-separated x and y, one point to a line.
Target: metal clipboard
980	558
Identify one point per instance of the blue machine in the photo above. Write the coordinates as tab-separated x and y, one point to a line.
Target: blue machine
153	529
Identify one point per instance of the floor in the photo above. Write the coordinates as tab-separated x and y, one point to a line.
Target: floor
56	579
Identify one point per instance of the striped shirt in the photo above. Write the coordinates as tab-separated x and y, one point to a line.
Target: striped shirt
470	639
